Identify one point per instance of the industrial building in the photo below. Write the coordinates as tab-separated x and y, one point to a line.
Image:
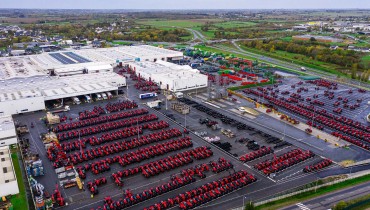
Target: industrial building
8	179
8	134
170	76
27	82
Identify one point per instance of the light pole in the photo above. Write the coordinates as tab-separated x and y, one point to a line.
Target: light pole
127	91
185	120
138	133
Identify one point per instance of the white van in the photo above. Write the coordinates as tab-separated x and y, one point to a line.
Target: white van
98	97
76	100
109	95
179	95
104	96
87	99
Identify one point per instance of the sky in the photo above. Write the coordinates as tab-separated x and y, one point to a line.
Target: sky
185	4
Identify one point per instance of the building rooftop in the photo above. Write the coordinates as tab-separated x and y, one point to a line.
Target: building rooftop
6	123
54	87
40	64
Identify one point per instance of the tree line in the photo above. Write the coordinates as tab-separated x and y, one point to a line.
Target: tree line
344	58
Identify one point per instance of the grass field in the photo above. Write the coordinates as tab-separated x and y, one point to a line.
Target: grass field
19	201
234	24
366	61
176	23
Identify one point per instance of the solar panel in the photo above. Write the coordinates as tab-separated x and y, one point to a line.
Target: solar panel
76	57
61	58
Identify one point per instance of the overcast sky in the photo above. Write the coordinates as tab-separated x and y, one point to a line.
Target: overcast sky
185	4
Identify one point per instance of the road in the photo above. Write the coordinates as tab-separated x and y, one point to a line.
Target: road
329	200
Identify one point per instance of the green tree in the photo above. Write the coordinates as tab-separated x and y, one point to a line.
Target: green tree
354	71
340	206
272	49
249	206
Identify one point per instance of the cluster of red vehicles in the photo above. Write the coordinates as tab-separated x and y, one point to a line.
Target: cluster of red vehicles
166	164
318	166
207	192
221	165
135	156
145	85
97	110
284	161
158	125
341	124
92	186
98	120
256	154
120	105
105	127
57	197
198	170
130	199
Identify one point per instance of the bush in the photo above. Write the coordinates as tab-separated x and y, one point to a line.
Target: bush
340	206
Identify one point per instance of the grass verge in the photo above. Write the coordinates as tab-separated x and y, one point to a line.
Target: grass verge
312	194
19	201
289	57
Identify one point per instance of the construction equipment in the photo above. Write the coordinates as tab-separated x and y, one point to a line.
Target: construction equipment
52	119
22	129
180	107
49	137
228	133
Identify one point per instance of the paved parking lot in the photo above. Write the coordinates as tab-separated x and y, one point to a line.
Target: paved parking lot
358	114
265	186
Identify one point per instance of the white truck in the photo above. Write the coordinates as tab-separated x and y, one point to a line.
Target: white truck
76	100
303	68
179	95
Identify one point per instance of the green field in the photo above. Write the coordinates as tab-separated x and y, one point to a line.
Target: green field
234	24
366	61
19	201
176	23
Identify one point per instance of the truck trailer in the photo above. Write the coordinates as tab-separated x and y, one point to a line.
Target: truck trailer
147	95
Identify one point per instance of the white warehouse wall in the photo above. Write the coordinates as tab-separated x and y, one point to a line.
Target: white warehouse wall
22	105
10	188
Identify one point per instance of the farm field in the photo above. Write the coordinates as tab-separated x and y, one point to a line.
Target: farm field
176	23
235	24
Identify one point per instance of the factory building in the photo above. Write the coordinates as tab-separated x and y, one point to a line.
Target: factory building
170	76
8	179
28	82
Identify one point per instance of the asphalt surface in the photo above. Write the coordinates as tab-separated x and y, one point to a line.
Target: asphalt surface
264	188
329	200
358	114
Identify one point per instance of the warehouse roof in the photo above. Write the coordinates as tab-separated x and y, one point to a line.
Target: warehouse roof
6	123
56	87
31	65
